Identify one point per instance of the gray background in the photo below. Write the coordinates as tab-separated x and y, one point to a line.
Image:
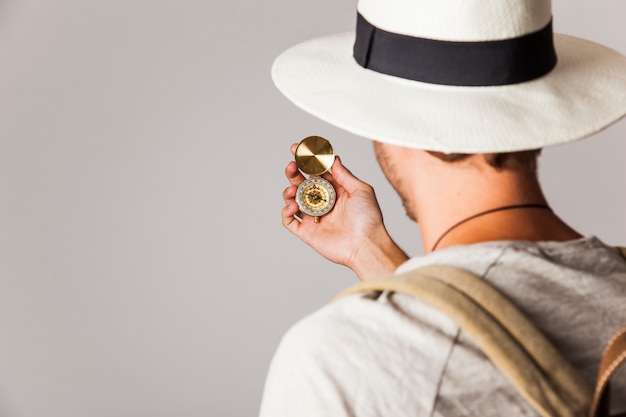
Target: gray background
143	267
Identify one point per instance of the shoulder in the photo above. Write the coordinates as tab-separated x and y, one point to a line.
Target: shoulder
351	354
365	321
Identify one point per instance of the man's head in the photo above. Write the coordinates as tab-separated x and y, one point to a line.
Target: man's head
414	173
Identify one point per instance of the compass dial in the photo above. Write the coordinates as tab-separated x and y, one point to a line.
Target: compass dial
315	196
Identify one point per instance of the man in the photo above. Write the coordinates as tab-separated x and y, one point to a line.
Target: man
459	98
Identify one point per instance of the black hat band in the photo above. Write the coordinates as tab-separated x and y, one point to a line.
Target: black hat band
487	63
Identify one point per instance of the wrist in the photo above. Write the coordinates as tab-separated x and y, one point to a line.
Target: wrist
377	257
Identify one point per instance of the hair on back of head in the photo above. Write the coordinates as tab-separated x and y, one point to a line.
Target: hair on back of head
499	161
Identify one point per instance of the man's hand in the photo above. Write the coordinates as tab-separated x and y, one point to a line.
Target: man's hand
353	233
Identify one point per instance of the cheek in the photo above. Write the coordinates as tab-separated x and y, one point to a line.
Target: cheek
383	158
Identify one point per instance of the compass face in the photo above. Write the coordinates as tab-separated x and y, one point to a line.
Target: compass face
315	196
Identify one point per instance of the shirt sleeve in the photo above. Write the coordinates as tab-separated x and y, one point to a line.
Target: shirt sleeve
350	359
303	379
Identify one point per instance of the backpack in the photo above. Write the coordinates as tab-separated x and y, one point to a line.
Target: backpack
510	340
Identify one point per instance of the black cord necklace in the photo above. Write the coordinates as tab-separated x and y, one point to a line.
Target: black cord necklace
514	206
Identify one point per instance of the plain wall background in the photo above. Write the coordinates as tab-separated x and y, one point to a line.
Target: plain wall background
143	267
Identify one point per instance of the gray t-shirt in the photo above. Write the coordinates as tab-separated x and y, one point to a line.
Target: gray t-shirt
392	355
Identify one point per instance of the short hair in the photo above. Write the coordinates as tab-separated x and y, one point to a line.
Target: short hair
499	161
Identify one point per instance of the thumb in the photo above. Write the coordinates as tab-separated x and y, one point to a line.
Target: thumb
344	177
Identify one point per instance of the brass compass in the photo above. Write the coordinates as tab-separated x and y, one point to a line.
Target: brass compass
315	196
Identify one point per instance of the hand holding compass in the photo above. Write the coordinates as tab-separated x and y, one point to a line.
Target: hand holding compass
354	235
315	196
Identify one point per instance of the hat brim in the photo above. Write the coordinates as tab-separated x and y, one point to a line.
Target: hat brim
582	95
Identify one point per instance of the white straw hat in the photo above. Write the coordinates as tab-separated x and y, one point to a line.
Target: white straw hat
466	76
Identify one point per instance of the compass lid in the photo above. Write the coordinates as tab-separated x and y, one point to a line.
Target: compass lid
314	155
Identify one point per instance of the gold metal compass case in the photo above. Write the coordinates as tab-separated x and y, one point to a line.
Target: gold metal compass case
315	195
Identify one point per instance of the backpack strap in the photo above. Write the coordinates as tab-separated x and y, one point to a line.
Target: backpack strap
614	356
513	343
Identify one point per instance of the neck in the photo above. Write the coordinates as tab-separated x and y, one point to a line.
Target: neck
465	206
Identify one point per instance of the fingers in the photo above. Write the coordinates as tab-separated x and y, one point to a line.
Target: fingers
289	217
289	195
292	173
291	212
294	176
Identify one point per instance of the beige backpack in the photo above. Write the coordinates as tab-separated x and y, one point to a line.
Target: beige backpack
521	352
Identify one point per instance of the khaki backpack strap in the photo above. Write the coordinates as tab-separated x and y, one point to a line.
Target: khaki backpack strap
614	356
505	335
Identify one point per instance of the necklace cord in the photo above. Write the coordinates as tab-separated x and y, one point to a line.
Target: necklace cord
482	213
